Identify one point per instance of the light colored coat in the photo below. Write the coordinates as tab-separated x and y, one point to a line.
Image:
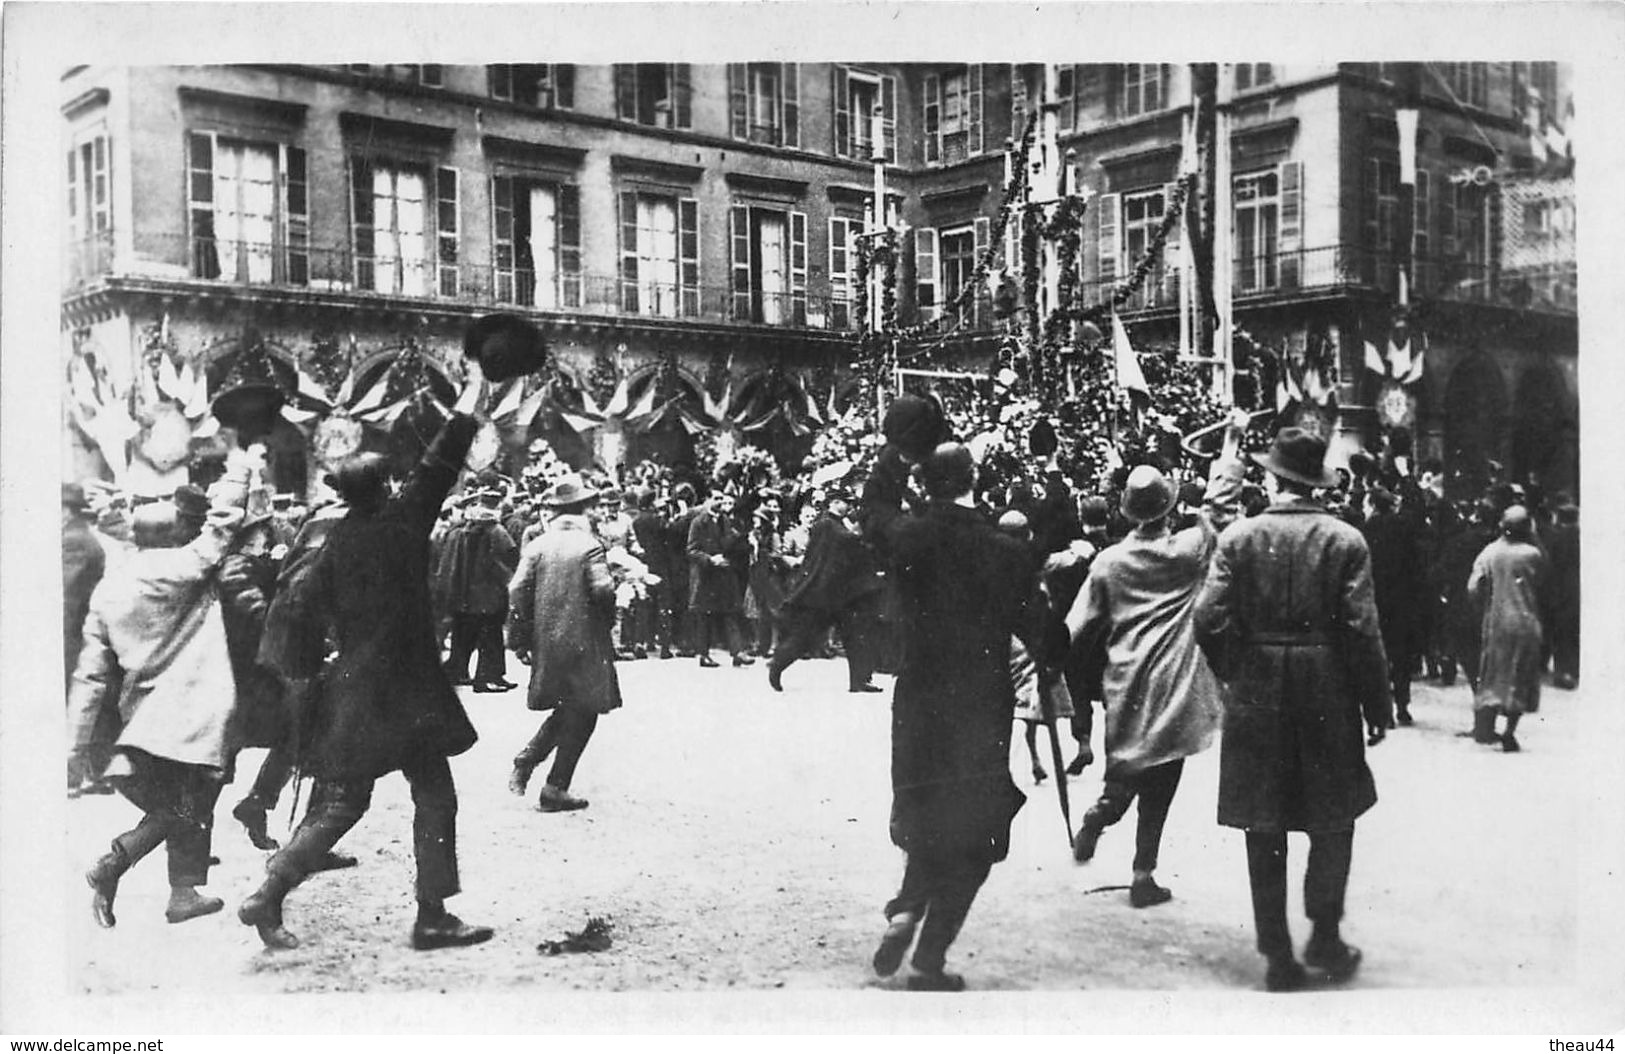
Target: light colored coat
561	606
1162	701
155	645
1507	582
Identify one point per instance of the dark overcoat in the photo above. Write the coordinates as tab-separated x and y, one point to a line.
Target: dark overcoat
649	528
1463	626
476	563
386	699
562	608
677	555
246	584
1287	620
839	569
713	589
966	589
1398	579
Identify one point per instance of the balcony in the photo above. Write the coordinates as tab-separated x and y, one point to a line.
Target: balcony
244	267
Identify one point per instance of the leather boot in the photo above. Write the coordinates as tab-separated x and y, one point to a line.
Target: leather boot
103	881
263	911
185	902
252	816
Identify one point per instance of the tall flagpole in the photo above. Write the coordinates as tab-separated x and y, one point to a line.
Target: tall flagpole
1224	263
877	155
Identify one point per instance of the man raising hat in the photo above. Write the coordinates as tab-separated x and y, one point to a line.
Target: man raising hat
1288	620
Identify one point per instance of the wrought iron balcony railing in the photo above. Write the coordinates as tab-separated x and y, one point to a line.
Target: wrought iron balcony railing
1548	286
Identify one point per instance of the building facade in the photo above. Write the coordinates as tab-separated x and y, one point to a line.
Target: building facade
694	227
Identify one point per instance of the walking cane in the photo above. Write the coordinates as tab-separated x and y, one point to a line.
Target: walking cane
1047	709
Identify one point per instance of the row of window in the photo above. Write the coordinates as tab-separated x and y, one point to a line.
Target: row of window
249	222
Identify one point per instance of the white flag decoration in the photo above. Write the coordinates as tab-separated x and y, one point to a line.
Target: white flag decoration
1130	377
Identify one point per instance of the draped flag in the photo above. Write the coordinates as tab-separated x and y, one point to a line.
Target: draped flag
1130	378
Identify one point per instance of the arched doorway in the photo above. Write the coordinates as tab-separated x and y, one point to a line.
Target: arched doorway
676	414
1543	431
1474	410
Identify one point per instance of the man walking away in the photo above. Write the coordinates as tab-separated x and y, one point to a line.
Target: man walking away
562	604
1288	621
1507	583
478	561
966	589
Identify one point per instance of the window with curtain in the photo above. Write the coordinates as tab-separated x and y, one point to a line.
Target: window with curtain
404	227
660	255
764	100
769	250
956	253
952	113
843	257
248	210
536	242
855	94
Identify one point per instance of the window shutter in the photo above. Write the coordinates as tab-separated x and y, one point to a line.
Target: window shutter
680	81
888	118
502	248
564	86
981	300
925	272
739	239
200	197
1066	82
843	111
1290	236
738	100
1169	264
1111	245
569	243
101	197
792	104
629	252
1449	234
1161	99
932	106
1422	234
798	268
73	200
974	139
446	228
626	91
1018	103
688	253
361	219
295	216
840	290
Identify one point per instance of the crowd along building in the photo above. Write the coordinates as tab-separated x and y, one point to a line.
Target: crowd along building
686	235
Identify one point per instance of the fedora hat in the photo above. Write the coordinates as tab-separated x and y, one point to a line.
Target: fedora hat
1299	456
505	346
1147	495
568	492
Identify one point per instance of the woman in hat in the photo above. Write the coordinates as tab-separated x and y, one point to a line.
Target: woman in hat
562	605
1162	701
1508	583
1288	621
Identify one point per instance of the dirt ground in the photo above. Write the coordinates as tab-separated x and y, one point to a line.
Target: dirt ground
737	842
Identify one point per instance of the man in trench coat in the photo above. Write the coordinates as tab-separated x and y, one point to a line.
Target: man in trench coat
966	589
387	704
1287	619
561	616
1508	583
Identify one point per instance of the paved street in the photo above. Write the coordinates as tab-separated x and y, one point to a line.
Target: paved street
737	841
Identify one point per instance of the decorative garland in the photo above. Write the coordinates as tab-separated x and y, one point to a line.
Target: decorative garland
1148	261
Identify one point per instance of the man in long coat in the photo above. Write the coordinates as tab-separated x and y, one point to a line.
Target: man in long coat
839	586
684	509
1398	579
562	613
387	704
654	622
155	648
477	560
1463	623
715	591
1162	701
1507	584
966	589
1287	620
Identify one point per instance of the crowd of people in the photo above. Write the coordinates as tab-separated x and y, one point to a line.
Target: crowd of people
1283	608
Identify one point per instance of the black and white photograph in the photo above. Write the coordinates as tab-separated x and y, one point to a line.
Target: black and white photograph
812	518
